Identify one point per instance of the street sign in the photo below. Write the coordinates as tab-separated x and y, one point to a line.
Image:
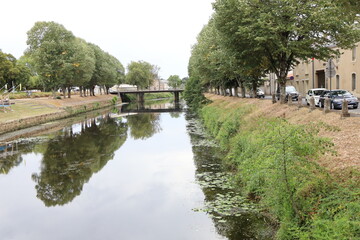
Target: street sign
330	69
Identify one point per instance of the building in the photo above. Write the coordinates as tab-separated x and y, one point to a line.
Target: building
311	74
270	83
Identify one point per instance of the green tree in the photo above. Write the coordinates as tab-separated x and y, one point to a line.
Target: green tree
193	93
13	71
50	45
115	73
140	73
174	81
108	70
285	31
80	66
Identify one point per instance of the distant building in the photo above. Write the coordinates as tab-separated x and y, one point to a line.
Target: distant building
311	74
270	83
159	84
123	87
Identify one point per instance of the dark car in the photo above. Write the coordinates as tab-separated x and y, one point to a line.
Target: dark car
290	91
337	97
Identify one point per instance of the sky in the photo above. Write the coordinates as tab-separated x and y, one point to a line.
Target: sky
160	32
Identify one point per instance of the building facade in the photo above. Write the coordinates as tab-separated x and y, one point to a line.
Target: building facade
312	73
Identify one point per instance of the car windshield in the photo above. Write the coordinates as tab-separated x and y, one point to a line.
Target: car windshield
340	93
318	92
290	89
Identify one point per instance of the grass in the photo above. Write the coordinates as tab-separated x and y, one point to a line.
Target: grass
20	95
275	161
24	110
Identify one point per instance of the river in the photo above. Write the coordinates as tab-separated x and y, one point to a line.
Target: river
121	175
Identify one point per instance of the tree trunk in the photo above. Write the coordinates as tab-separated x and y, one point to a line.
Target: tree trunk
63	89
282	86
69	92
54	93
243	91
254	88
236	91
92	91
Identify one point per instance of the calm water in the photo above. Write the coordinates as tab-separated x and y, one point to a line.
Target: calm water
113	177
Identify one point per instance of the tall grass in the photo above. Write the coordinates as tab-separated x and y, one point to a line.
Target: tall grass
275	163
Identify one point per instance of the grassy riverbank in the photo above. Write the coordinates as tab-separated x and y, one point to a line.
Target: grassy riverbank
286	164
33	111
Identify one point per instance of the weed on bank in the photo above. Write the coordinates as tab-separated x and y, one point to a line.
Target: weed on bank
274	163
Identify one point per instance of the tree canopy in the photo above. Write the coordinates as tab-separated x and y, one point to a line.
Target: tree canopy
141	74
174	81
247	38
62	60
12	71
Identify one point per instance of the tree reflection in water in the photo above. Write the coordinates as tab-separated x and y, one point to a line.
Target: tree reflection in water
72	158
143	126
11	153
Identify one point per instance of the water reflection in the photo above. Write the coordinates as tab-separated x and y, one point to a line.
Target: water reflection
150	185
11	153
71	158
143	126
152	107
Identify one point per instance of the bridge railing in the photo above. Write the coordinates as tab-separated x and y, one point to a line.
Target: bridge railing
127	89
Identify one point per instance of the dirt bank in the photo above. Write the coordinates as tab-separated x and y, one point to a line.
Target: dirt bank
34	111
345	134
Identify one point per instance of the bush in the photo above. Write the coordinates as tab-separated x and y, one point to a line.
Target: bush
193	94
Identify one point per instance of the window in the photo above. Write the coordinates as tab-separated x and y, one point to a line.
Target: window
353	85
354	54
337	81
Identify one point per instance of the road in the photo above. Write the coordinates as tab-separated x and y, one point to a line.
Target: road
354	111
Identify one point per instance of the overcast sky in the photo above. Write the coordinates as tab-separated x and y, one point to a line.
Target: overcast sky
160	32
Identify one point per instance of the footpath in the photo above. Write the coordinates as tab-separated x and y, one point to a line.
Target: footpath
30	112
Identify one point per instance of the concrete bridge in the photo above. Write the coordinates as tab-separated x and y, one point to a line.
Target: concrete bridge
140	94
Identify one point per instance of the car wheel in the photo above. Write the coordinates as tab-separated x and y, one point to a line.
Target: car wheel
355	106
307	103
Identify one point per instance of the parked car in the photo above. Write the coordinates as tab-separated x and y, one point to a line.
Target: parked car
260	93
290	91
337	97
315	92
